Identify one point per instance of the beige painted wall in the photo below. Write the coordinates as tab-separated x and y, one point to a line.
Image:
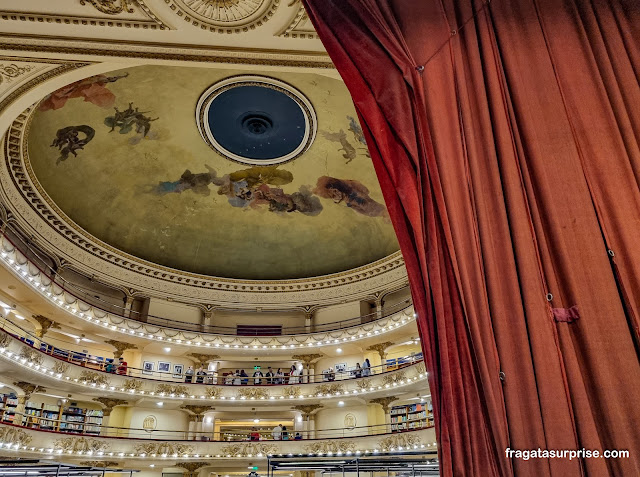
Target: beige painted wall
335	419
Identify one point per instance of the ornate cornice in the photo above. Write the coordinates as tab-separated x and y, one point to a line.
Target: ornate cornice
45	323
230	16
203	358
380	348
120	346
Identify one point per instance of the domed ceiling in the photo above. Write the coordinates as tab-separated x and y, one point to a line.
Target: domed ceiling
214	171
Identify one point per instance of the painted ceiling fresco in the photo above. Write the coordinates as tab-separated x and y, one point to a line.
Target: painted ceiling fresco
120	154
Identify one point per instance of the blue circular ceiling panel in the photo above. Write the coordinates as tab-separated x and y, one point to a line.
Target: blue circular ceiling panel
256	120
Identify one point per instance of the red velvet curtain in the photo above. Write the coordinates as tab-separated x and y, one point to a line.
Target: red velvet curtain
505	136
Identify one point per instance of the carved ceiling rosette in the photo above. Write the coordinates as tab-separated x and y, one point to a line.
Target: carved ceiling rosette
225	16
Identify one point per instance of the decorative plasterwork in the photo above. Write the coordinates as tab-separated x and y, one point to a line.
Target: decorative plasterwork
224	16
41	218
111	7
159	51
300	25
77	378
105	13
38	443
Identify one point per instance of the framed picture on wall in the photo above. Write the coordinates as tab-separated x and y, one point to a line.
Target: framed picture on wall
164	367
148	367
341	367
178	369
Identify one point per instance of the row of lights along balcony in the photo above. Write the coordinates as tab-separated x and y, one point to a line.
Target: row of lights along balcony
46	290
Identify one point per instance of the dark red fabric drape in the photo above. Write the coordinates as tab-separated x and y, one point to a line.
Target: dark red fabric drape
505	136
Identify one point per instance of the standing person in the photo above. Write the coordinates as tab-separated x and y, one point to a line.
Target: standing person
358	371
257	377
188	375
237	380
279	378
298	437
276	433
331	374
269	375
122	366
294	375
200	374
366	368
228	379
255	434
245	377
285	433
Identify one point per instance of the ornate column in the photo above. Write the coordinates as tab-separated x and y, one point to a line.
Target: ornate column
196	414
109	404
202	359
120	346
28	390
378	302
206	320
380	349
308	318
385	402
45	323
307	411
306	360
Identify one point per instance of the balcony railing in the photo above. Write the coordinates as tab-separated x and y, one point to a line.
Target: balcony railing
27	421
91	299
108	366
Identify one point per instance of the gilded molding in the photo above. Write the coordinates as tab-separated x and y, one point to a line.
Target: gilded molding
11	71
93	378
29	354
164	449
252	393
224	16
100	463
327	389
404	440
80	444
248	449
14	436
110	7
326	447
295	28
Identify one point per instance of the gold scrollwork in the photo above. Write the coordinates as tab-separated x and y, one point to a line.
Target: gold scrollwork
248	449
170	389
326	389
164	449
132	385
92	377
324	447
110	7
11	71
399	440
31	354
60	367
394	378
80	444
252	393
15	436
291	392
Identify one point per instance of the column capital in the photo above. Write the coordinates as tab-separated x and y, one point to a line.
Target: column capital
45	323
196	411
110	403
120	346
203	358
307	358
28	388
384	402
380	348
307	409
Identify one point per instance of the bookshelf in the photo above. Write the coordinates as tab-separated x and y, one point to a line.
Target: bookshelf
8	407
410	416
51	417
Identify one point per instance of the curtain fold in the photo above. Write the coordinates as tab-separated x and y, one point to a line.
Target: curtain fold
505	136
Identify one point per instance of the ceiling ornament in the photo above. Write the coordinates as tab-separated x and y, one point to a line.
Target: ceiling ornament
110	7
9	72
299	26
248	118
224	16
